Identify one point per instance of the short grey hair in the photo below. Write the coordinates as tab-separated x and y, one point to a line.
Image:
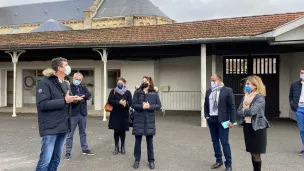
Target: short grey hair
77	74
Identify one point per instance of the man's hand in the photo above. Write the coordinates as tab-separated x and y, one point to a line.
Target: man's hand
230	125
123	102
68	98
78	98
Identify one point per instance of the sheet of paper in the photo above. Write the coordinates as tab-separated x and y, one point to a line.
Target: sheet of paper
225	124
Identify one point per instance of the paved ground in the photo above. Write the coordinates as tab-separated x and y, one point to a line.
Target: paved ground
180	145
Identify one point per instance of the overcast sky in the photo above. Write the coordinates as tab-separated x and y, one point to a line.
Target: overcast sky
191	10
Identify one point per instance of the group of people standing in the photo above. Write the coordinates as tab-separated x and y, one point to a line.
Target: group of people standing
220	114
145	101
62	106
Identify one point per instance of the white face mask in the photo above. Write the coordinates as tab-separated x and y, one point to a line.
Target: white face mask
213	84
302	76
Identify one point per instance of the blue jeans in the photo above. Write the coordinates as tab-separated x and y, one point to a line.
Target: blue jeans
51	151
300	121
81	121
220	135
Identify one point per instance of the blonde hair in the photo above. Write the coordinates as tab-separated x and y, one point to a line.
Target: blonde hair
257	81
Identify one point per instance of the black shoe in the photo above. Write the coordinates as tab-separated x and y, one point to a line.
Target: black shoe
116	150
216	165
228	169
151	165
257	165
123	150
88	152
136	165
67	156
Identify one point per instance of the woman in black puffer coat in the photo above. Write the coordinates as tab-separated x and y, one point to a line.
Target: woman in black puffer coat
144	119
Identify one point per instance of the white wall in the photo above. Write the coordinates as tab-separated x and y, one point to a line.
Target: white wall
295	34
297	65
181	74
133	71
285	81
29	94
183	77
290	67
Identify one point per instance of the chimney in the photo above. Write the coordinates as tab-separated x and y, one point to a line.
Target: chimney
129	21
87	19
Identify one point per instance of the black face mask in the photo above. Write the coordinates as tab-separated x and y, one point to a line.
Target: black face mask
144	85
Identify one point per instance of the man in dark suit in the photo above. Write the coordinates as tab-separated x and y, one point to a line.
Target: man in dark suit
218	108
79	116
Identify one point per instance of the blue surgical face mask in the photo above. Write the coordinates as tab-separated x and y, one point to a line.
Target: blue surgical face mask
248	88
76	82
120	86
68	70
302	76
213	84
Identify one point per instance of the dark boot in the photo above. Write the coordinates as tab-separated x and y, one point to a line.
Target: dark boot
116	139
123	150
116	150
122	139
257	165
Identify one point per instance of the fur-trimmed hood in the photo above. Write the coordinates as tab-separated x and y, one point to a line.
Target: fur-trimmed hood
52	73
138	86
49	72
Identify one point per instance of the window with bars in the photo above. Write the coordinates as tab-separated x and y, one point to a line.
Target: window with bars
236	66
264	66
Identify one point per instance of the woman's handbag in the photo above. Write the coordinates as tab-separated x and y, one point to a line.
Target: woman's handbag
108	107
131	117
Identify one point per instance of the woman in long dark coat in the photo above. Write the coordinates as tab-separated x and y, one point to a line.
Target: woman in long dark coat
121	99
254	122
144	119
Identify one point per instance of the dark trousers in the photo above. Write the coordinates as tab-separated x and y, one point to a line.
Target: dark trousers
219	136
51	151
137	148
81	121
119	133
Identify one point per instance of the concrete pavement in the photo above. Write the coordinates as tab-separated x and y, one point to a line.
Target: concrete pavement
180	145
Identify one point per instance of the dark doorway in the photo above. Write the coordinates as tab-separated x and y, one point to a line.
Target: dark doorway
236	69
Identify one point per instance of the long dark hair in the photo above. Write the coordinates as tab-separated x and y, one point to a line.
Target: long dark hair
151	82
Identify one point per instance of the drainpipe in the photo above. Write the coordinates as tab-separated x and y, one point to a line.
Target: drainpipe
15	56
104	58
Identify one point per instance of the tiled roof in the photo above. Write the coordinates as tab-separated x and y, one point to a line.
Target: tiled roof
220	28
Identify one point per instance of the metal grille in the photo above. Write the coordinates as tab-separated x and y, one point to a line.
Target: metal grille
264	65
238	68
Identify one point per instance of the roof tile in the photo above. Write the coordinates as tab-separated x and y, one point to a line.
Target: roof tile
229	27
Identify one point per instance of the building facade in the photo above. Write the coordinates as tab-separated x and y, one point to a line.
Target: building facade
179	56
80	14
